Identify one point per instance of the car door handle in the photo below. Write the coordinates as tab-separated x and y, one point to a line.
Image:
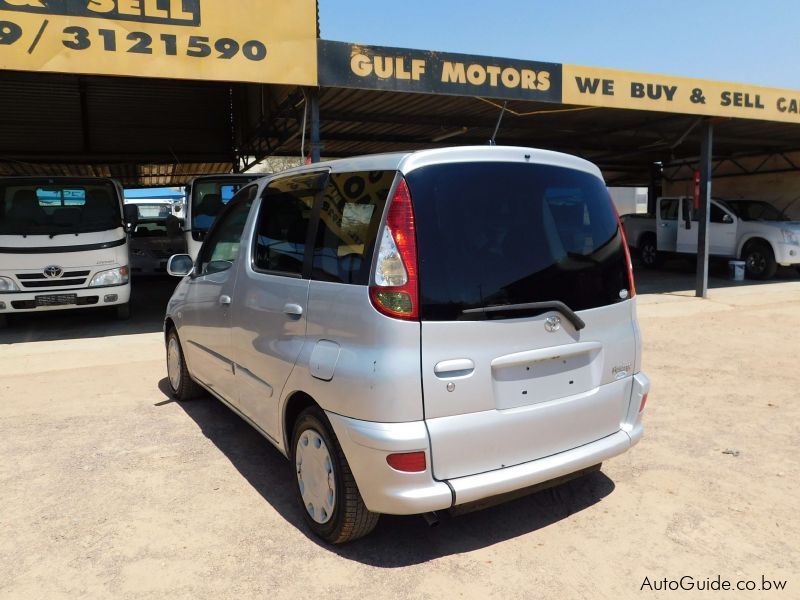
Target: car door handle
460	367
225	300
293	309
665	224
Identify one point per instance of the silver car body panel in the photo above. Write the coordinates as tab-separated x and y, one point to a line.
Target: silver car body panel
526	405
532	392
366	445
377	372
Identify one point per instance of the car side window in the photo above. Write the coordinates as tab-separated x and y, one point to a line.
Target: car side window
221	248
669	209
718	215
351	213
283	222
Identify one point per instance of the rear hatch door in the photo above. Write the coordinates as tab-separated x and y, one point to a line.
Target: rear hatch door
528	340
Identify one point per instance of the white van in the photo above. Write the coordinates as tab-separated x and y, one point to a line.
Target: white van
63	245
205	198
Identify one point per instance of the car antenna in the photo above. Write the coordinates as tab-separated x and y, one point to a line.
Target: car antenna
493	141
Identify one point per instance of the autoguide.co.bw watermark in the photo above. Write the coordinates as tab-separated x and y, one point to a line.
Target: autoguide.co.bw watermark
709	584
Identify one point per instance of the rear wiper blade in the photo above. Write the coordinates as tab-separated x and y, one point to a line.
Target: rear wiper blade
555	305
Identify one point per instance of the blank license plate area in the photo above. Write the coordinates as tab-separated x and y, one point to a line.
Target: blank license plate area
57	300
543	380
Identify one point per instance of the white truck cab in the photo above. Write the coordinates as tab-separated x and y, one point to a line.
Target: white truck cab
63	245
752	230
205	198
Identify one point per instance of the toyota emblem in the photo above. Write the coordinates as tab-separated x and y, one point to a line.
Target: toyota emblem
552	324
53	272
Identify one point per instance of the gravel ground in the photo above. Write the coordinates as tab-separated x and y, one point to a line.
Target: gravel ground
109	489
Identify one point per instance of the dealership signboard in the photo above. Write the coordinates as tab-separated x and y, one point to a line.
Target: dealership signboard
590	86
400	69
262	41
275	41
403	70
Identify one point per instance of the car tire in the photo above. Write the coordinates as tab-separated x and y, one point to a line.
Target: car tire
759	261
3	321
649	255
181	384
327	492
122	312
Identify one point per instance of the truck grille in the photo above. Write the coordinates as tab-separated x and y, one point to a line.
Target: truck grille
38	280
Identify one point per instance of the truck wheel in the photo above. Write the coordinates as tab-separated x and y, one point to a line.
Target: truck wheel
759	261
123	311
648	252
181	384
326	489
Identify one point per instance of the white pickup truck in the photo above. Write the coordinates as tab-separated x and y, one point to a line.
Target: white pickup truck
750	230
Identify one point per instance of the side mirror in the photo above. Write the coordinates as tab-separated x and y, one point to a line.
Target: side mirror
180	265
174	226
726	218
130	212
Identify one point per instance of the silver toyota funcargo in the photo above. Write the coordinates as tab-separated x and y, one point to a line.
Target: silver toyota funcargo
420	331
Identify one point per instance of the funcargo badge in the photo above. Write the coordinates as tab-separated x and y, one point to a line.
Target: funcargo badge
260	41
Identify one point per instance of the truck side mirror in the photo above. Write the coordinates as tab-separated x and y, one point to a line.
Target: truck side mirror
174	226
130	212
726	218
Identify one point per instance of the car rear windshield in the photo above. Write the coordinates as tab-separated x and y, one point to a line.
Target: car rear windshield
493	234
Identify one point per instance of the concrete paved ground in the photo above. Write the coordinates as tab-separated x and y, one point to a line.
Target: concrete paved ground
109	489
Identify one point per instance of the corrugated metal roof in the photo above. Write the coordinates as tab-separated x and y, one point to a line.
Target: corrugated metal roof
625	143
141	131
162	132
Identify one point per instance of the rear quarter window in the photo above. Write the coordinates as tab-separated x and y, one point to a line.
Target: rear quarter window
492	234
352	207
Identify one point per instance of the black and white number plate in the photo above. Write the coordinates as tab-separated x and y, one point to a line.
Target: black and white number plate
57	300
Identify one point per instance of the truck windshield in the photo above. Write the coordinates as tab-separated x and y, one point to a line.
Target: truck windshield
495	234
42	207
209	197
755	210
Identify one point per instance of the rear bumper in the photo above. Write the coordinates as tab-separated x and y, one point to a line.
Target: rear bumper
502	481
18	302
385	490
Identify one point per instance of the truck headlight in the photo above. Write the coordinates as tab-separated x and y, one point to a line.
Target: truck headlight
117	276
790	237
8	285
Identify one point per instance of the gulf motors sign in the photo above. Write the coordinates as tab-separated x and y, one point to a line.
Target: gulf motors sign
399	69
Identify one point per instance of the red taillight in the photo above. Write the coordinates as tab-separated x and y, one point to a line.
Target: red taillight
394	291
642	403
408	462
632	290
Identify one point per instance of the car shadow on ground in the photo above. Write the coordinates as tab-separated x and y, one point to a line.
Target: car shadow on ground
397	541
149	297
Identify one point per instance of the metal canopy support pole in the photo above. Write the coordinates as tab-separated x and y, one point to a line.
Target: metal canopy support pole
706	152
316	146
653	188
